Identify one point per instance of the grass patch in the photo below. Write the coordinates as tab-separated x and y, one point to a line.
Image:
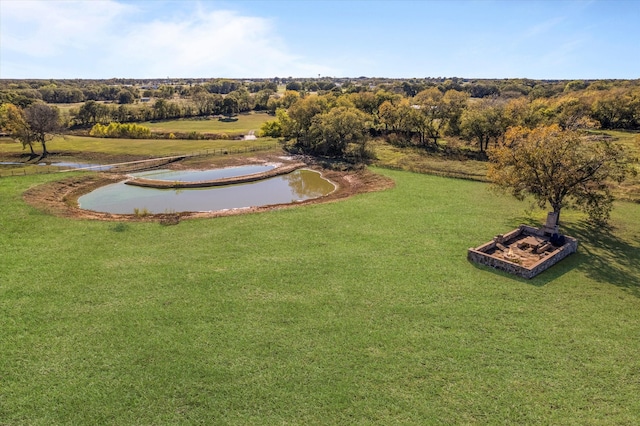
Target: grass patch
360	311
420	161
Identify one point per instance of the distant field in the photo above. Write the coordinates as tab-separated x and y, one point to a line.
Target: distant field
629	189
363	311
78	147
419	160
143	147
242	124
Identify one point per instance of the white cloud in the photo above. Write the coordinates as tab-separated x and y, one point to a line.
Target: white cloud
48	28
102	39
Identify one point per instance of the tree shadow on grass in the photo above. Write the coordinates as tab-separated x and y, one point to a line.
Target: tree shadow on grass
607	257
602	255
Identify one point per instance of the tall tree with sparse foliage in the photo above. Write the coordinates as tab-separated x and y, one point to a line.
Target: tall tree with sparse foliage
44	122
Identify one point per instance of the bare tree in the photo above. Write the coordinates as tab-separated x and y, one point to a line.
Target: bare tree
44	122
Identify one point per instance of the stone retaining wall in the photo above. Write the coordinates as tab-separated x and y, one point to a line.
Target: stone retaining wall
479	255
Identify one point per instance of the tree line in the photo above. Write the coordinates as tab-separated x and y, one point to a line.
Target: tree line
424	118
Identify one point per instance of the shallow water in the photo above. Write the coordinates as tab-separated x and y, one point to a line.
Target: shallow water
68	165
203	175
119	198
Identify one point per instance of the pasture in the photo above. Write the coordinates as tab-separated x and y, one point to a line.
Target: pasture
105	150
240	124
359	311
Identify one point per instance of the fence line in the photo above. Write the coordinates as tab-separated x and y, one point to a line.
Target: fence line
159	160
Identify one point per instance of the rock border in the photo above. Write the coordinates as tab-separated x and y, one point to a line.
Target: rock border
482	254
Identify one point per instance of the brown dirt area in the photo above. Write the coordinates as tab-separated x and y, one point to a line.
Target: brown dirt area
60	197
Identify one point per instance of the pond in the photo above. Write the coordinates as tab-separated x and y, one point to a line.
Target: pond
119	198
204	175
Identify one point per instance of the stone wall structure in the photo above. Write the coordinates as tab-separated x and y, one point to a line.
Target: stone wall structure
513	252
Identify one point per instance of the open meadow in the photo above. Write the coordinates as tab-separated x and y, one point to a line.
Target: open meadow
239	125
359	311
107	151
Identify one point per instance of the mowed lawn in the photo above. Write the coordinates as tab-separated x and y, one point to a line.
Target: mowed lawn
241	124
363	311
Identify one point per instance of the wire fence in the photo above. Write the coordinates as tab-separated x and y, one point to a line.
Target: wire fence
129	166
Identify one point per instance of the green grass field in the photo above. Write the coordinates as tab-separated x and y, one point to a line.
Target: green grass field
244	123
363	311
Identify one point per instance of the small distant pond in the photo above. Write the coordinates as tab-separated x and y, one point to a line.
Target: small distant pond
119	198
70	165
204	175
64	164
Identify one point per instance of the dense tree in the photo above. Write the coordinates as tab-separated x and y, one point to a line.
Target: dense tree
483	121
294	85
558	168
261	99
161	109
482	90
618	109
455	103
575	85
340	131
390	116
302	113
125	97
437	110
243	98
365	102
92	112
230	106
271	128
222	87
429	115
572	113
20	98
13	122
289	98
207	103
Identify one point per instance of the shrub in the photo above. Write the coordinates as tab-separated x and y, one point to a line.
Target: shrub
141	213
271	128
194	135
120	130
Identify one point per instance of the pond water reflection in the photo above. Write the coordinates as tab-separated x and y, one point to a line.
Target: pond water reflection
203	175
119	198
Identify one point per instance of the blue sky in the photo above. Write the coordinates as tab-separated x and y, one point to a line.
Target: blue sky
594	39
